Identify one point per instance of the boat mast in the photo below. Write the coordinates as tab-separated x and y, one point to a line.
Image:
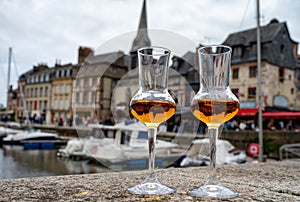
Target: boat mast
8	78
260	132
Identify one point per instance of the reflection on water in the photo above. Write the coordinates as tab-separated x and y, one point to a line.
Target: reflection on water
15	162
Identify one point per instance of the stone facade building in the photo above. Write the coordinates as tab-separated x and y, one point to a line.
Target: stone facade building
61	94
37	93
93	86
278	67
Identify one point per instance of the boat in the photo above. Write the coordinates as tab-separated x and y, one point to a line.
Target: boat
124	147
198	154
7	131
78	148
34	139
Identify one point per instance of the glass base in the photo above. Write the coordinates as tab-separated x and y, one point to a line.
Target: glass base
213	191
153	187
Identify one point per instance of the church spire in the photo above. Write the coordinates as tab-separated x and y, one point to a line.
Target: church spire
141	38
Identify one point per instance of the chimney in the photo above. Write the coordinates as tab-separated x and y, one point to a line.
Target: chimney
39	67
83	53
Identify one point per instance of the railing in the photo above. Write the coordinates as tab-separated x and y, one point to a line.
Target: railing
289	150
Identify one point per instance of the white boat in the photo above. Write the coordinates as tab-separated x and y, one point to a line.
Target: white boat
6	131
126	149
198	154
78	148
27	135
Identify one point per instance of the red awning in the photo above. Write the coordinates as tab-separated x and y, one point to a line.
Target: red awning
247	112
282	115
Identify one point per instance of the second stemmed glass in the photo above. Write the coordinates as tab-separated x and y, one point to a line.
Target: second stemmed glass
152	105
214	104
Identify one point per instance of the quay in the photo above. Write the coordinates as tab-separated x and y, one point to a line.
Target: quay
271	181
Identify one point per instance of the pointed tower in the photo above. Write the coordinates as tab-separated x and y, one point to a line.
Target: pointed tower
141	39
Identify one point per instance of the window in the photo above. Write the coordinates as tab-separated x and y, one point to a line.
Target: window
90	97
67	105
46	91
93	97
55	104
68	72
77	97
61	104
235	73
41	91
77	82
252	71
282	49
68	88
86	82
40	105
35	105
292	91
85	98
251	92
45	104
56	89
62	89
94	83
237	52
281	74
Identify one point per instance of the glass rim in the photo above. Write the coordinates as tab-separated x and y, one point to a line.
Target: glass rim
227	50
165	51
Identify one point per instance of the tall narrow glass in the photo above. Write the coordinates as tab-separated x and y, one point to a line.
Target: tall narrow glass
214	104
152	105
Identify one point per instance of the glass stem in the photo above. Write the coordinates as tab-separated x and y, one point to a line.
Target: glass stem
213	136
151	143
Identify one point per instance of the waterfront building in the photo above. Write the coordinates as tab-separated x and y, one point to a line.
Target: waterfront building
279	70
37	93
93	86
61	94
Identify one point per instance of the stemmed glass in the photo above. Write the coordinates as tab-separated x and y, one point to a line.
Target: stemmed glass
152	105
214	104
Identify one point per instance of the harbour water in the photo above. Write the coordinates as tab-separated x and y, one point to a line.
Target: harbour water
15	162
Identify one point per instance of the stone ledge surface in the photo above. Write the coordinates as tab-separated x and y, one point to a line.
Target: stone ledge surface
276	181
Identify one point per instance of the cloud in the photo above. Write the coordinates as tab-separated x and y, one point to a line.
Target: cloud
43	31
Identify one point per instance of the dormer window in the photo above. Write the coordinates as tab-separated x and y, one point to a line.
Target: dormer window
281	74
282	51
237	52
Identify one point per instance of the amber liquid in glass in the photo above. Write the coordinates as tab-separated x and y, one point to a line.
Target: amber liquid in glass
151	112
214	112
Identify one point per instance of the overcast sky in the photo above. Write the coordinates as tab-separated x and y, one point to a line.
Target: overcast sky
42	31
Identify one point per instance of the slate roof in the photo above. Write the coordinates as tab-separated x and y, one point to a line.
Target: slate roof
276	45
247	37
108	58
